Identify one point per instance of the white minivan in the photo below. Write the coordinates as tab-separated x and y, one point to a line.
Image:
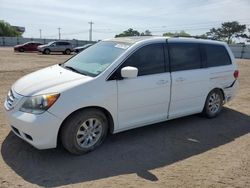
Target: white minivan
120	84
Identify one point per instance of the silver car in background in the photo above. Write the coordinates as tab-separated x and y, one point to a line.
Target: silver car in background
56	46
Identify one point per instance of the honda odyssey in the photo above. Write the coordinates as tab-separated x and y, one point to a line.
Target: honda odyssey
120	84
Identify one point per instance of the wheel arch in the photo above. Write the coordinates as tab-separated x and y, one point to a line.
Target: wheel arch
216	88
221	90
105	111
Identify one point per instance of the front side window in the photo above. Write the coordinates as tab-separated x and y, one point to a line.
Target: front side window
64	43
59	44
217	55
184	56
51	43
148	60
95	59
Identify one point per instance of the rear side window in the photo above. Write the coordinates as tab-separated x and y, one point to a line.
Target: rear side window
148	59
217	55
184	56
62	43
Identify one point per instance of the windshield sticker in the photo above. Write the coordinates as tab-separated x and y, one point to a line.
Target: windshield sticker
122	46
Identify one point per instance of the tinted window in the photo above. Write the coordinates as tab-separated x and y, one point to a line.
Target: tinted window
184	56
148	59
217	55
62	43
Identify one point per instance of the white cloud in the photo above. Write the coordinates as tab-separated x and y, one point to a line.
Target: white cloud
114	16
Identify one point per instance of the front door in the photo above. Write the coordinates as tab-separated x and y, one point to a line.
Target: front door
144	99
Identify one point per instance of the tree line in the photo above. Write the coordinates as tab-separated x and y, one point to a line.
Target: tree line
228	31
6	30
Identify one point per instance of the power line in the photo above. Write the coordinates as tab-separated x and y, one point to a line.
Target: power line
156	29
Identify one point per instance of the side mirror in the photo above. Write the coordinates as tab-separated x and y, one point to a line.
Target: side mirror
129	72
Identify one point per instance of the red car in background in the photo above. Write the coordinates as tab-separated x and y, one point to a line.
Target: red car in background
27	47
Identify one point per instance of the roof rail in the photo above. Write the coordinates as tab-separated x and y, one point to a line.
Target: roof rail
195	37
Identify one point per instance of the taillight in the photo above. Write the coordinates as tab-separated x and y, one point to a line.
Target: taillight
236	74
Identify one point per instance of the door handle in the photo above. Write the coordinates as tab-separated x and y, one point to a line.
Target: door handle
161	82
180	79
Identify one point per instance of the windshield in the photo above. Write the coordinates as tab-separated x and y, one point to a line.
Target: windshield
95	59
50	43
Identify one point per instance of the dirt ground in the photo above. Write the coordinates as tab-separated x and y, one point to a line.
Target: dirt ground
187	152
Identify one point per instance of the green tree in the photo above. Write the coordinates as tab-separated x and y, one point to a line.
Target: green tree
129	32
227	32
246	35
6	30
179	34
146	33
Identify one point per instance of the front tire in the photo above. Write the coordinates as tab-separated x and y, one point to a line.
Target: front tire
46	51
21	50
84	131
214	103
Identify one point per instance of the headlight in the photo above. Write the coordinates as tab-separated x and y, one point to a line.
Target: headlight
39	104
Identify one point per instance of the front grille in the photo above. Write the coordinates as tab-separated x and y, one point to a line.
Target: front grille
10	100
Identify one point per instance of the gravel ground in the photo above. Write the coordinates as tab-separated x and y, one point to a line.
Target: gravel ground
186	152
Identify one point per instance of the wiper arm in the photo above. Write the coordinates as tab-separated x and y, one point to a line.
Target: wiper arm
77	71
72	69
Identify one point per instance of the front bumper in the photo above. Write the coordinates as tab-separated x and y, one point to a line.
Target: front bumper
38	130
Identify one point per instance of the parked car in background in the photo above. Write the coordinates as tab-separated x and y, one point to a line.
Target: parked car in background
120	84
81	48
27	47
56	46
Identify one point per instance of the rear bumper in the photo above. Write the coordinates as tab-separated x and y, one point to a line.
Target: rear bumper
230	92
38	130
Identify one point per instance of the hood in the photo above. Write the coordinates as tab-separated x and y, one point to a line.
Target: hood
48	80
17	46
79	47
42	46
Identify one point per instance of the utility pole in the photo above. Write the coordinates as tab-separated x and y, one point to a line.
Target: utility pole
40	31
59	33
90	31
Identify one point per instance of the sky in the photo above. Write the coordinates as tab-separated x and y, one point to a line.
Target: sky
111	17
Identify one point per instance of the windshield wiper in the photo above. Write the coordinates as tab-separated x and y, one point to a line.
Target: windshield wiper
72	69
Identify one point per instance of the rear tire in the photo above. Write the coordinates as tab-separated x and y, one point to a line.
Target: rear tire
214	104
67	52
46	51
84	131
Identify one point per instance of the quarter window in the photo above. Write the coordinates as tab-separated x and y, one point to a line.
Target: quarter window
149	60
184	56
217	55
